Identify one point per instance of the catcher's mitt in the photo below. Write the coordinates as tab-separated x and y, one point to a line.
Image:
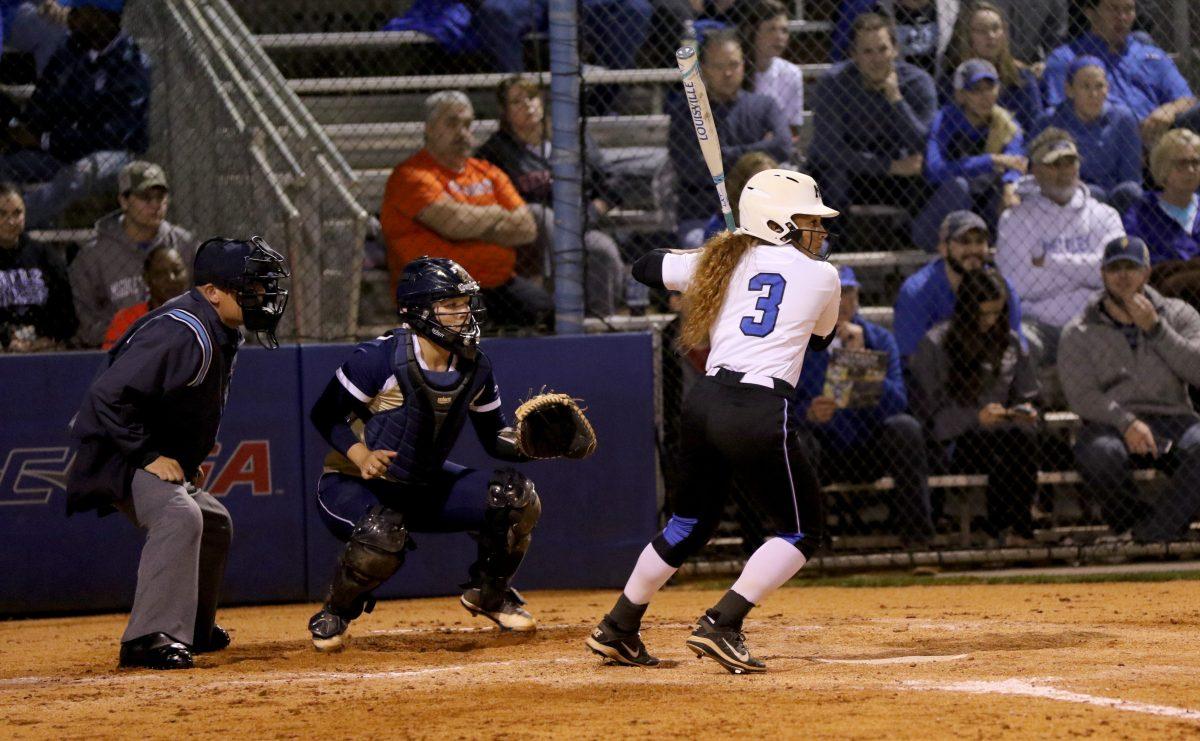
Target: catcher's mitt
552	425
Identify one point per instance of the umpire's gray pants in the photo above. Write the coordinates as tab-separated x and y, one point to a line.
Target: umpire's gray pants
183	560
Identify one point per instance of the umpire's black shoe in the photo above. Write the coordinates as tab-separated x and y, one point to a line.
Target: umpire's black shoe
155	651
619	648
725	645
218	639
328	631
508	612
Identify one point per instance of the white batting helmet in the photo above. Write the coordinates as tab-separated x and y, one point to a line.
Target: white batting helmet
772	197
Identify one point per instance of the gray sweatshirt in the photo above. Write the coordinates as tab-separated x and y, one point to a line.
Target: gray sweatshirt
106	276
1015	383
1108	382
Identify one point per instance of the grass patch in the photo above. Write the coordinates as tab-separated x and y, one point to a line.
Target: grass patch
904	579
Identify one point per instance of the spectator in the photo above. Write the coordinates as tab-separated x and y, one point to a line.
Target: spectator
1110	144
747	122
764	35
927	296
612	29
678	23
975	153
1125	364
444	203
87	118
520	148
166	277
35	297
862	444
982	33
1049	246
975	388
922	27
106	276
1141	76
747	166
35	27
871	119
1169	220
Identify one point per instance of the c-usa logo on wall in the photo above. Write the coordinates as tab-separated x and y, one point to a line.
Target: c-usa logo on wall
31	476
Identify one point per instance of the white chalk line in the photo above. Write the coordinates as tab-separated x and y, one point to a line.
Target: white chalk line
921	659
1028	688
490	629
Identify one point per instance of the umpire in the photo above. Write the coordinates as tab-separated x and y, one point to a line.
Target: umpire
149	420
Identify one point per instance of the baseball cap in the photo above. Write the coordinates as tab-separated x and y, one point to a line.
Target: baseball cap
846	277
112	6
140	176
221	262
1126	249
1087	60
1052	150
974	71
958	223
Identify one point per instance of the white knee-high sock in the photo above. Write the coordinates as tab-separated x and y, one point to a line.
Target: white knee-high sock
768	569
649	575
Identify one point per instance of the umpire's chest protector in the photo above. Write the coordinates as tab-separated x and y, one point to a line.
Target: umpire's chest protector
423	429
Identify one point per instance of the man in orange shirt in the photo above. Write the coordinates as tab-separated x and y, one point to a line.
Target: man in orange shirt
444	203
166	276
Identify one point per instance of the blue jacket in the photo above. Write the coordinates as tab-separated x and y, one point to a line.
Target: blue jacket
955	149
84	105
859	130
1110	148
1164	236
1140	76
850	426
925	298
160	391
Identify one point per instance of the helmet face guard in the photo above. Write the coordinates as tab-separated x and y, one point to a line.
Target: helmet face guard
464	340
797	236
259	290
427	281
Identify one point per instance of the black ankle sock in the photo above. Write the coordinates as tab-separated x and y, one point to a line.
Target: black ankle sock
625	616
731	610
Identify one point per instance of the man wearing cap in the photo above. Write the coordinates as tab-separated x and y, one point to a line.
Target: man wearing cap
149	420
862	444
975	153
1125	364
1049	246
927	296
106	276
1140	75
88	116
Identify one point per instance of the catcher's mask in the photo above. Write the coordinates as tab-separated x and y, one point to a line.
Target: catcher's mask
428	280
253	272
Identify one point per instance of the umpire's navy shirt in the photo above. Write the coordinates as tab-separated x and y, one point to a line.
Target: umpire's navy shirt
161	391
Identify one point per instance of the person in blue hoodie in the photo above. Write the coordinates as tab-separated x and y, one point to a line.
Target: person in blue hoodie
975	154
868	442
88	117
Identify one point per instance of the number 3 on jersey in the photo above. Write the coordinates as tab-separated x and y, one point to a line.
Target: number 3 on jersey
768	304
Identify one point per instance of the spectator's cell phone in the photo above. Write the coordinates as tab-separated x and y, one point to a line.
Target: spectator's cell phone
1164	446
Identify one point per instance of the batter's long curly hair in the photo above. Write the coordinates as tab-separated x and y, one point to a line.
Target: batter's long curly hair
706	292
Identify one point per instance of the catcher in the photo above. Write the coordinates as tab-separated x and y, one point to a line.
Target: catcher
392	412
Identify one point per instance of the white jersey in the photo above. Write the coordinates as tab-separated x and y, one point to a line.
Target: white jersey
777	298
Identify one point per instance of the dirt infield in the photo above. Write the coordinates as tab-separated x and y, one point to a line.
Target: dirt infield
989	661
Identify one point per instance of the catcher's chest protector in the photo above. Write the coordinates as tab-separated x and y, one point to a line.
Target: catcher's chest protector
424	428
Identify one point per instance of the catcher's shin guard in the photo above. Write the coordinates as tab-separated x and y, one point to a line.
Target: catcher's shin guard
375	552
513	509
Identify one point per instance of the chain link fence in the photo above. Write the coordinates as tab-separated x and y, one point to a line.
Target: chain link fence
546	147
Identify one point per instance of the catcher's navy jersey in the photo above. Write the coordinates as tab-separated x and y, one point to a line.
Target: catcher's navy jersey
385	396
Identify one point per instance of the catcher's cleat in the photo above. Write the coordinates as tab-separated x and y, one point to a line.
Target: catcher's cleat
616	647
724	645
508	614
218	640
328	631
155	651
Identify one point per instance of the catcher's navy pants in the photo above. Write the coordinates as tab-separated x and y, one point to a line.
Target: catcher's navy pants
455	501
738	431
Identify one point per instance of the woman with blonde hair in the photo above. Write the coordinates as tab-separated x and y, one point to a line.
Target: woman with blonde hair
758	297
982	32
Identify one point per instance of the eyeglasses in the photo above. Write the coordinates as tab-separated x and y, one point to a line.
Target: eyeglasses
1192	163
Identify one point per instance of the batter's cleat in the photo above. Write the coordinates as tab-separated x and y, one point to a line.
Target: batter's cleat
155	651
616	647
328	631
724	645
218	639
508	614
